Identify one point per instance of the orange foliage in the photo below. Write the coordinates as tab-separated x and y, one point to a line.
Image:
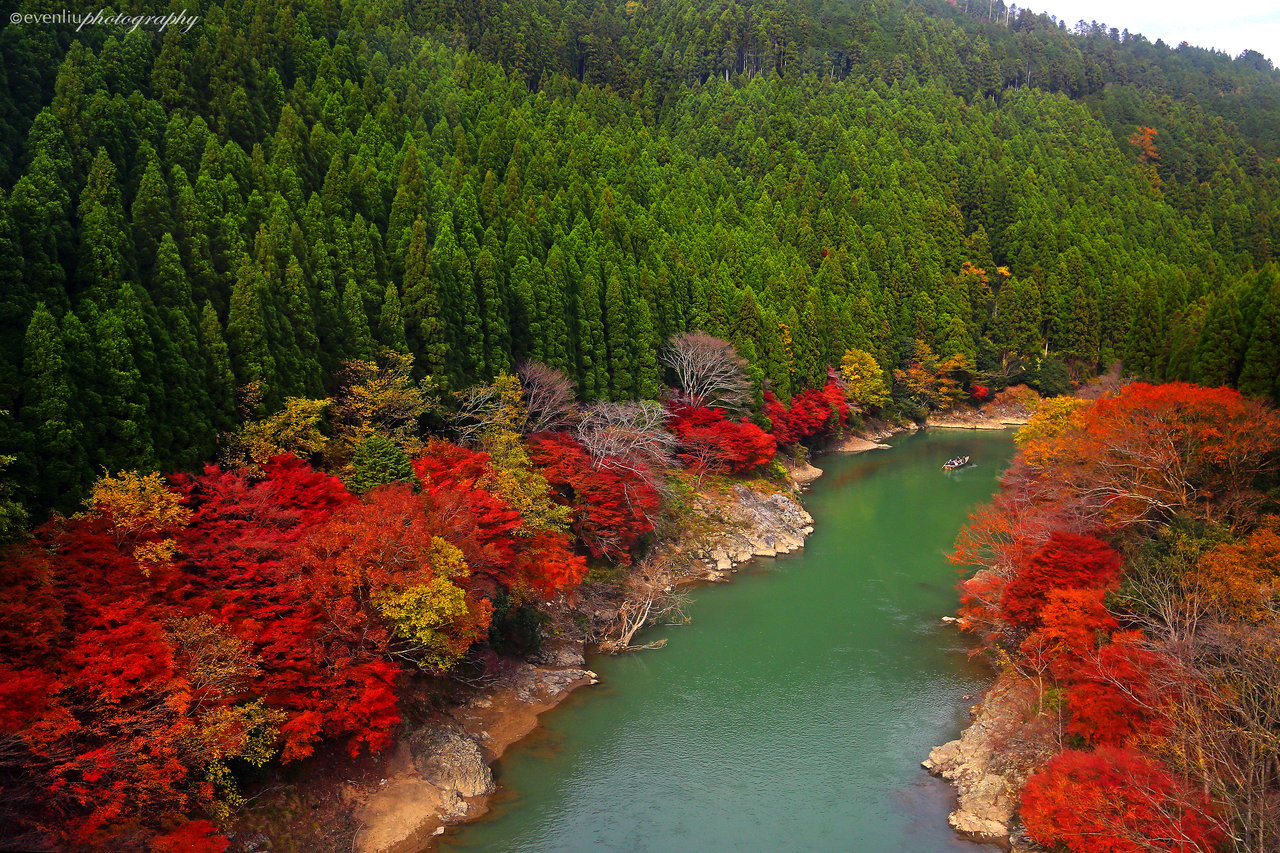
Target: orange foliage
1239	579
1152	451
1144	139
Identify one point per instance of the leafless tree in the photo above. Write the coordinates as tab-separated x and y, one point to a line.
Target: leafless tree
651	598
548	398
710	371
627	436
482	408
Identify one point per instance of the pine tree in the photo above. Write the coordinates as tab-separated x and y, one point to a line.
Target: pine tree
619	341
105	253
181	377
124	354
424	310
391	321
247	342
1260	370
593	353
378	461
219	377
493	316
41	207
1017	322
15	307
48	413
151	215
359	340
1147	347
1221	346
301	322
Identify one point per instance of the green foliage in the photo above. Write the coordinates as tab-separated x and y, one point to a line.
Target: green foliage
341	187
378	461
516	627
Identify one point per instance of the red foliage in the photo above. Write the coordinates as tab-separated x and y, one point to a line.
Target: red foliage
812	413
197	836
1066	561
1152	451
979	392
613	508
1115	800
386	541
709	440
241	531
1071	622
1113	693
487	530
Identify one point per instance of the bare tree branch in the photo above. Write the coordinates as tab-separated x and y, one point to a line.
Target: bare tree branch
710	371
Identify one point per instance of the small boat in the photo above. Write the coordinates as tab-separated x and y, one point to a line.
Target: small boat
955	462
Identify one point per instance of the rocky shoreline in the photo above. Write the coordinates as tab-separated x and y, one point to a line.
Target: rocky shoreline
437	774
1007	739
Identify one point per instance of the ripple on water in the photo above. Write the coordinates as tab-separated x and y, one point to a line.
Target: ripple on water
793	713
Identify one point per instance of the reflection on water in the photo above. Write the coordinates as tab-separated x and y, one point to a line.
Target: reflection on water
793	712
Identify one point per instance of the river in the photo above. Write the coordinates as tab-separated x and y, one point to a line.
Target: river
793	712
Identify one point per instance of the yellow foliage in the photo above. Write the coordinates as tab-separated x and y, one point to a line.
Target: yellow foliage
435	618
247	732
382	397
864	378
1051	420
513	476
294	429
137	504
155	555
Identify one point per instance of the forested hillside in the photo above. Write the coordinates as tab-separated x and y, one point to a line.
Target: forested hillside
248	204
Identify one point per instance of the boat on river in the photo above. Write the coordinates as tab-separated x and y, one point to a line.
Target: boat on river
955	462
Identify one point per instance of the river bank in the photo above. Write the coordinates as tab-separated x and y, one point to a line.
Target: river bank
437	773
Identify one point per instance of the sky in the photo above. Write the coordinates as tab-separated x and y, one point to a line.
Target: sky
1230	26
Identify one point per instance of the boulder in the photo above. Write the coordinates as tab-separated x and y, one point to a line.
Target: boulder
452	762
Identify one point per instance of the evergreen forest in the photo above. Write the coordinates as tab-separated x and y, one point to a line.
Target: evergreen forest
344	345
249	204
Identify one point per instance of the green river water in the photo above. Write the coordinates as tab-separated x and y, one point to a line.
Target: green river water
793	712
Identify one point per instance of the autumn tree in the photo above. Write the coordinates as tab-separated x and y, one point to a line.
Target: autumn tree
1115	800
863	379
708	371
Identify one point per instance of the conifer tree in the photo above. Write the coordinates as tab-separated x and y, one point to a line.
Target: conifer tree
124	354
1221	346
49	415
151	215
105	253
493	315
391	321
1146	349
1017	321
359	339
247	342
219	377
619	341
424	310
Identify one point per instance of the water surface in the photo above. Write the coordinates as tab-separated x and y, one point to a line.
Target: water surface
793	712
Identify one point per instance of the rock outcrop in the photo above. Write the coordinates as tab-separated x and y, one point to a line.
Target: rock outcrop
439	774
758	525
991	760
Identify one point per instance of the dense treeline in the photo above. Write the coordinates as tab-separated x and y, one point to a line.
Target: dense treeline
1128	572
197	226
160	646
